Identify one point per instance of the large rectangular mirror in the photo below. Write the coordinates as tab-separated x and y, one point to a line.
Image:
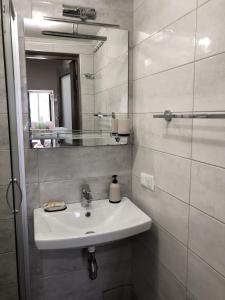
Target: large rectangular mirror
77	84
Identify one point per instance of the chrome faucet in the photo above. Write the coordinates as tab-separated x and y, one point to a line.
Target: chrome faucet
86	196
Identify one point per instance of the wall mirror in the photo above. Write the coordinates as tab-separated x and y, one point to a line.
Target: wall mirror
77	84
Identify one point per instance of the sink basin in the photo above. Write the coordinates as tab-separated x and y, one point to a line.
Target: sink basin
71	228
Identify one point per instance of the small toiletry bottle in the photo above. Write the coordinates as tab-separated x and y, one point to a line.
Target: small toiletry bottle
114	193
114	126
123	127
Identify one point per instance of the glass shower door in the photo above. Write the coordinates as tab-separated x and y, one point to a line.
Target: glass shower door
13	257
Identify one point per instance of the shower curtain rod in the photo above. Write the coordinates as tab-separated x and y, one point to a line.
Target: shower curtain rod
75	35
81	22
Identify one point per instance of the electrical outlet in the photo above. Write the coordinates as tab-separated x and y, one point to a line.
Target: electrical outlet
148	181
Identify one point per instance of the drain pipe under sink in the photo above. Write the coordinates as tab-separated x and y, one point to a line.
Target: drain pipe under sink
92	263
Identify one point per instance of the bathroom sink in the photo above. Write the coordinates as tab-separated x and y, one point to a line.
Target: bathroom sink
72	228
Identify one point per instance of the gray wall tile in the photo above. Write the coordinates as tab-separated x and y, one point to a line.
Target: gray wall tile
5	173
169	251
4	134
209	141
172	89
9	292
82	162
31	165
186	158
171	173
207	239
166	210
173	138
32	197
7	236
5	213
208	189
203	281
159	283
8	273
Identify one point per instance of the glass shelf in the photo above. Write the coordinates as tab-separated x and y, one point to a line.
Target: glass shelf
56	138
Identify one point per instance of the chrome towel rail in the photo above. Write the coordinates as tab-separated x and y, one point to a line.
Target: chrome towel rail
168	115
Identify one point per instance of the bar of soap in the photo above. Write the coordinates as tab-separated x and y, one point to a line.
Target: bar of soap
53	205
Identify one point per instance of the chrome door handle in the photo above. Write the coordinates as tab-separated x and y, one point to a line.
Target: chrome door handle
20	195
7	195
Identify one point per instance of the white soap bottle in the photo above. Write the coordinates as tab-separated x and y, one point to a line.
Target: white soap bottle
114	191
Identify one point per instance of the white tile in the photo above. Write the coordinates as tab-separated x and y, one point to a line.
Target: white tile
167	90
209	84
87	104
203	281
116	45
172	173
207	239
114	74
209	141
86	63
173	137
137	3
169	48
152	16
167	211
200	2
113	100
210	34
208	189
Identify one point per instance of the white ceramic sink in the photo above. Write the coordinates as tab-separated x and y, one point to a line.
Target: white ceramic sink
72	229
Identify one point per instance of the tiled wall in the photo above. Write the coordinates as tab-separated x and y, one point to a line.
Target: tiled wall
179	64
111	73
8	272
58	174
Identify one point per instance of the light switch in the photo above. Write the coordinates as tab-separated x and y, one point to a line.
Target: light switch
148	181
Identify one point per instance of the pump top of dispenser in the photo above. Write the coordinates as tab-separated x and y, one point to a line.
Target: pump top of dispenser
115	179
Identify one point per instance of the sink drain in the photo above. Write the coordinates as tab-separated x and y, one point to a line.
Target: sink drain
88	214
89	232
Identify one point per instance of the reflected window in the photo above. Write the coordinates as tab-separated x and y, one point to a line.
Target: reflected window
41	106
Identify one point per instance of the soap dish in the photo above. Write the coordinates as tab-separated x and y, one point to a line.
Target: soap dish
53	206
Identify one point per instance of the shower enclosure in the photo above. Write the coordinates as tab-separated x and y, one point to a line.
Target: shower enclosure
14	277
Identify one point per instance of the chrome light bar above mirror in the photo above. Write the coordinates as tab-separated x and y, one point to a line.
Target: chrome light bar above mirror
168	115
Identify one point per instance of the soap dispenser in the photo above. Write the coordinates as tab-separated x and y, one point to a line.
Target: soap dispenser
114	191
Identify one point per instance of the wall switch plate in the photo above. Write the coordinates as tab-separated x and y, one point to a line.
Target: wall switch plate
148	181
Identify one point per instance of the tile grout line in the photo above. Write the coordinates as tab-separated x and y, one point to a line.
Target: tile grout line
163	28
181	65
180	156
185	203
191	153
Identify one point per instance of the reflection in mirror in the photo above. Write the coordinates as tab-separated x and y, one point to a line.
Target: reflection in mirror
77	88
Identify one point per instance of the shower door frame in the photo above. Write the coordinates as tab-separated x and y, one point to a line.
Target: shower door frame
15	122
